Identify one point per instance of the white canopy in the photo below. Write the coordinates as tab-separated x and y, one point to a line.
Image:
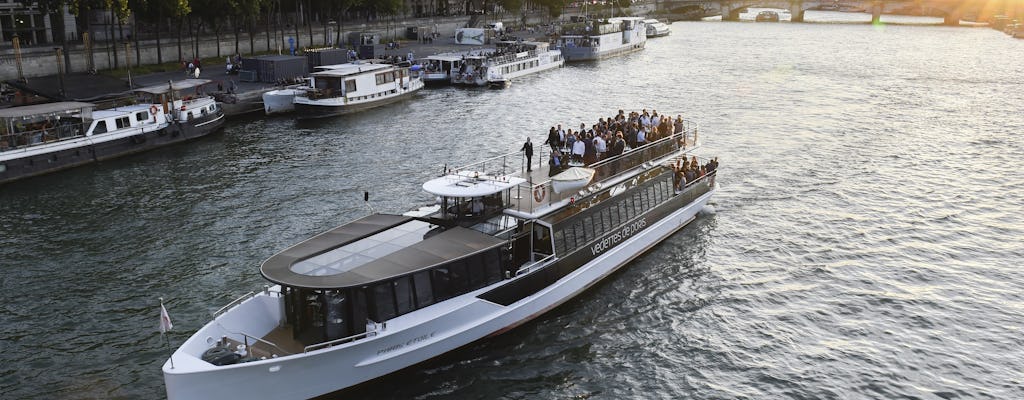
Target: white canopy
470	184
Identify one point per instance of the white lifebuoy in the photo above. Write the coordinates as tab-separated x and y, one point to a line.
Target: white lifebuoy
152	111
539	193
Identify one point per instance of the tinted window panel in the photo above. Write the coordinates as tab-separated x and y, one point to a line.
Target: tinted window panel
588	228
424	294
459	281
559	242
442	283
383	301
475	266
492	266
404	296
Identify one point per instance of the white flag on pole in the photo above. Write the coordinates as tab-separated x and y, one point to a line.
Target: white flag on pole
165	320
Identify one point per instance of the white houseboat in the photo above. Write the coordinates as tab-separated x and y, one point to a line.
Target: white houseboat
354	87
384	292
656	28
48	137
511	60
595	40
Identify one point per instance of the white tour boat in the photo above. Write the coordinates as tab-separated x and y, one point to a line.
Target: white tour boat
595	40
656	28
511	60
385	292
49	137
355	86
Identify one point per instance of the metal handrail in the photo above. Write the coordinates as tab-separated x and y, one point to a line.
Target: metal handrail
318	346
522	271
233	303
254	338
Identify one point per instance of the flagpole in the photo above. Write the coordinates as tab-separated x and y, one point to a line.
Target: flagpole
164	328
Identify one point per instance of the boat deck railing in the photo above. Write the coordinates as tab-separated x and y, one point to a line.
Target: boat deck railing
531	196
37	136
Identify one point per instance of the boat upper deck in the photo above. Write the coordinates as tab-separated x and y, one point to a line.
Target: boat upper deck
371	249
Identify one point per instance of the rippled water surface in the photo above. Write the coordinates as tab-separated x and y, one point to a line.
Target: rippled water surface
865	242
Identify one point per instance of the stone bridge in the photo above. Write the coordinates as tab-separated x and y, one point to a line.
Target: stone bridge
952	10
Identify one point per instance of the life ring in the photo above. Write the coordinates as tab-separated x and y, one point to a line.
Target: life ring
539	193
152	111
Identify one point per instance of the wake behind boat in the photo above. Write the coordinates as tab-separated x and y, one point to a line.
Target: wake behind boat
44	138
500	247
352	87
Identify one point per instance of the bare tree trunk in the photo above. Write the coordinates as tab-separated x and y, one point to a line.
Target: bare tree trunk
110	40
159	25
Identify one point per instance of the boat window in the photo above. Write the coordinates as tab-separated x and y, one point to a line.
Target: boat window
336	326
101	127
626	208
424	292
142	116
383	302
404	296
541	239
123	123
442	283
475	270
638	204
559	242
492	265
579	234
350	86
459	282
613	212
588	228
606	220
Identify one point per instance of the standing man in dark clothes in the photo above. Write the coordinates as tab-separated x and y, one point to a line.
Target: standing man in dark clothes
528	148
553	139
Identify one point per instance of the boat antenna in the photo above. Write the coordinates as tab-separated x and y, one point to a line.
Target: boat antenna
366	199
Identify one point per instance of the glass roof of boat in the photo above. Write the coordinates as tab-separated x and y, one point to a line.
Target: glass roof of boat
363	251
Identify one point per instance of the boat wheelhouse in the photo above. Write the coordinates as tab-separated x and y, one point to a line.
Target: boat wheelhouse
498	248
49	137
353	87
656	28
592	40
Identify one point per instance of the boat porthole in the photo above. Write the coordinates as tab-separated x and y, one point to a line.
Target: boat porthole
3	168
274	368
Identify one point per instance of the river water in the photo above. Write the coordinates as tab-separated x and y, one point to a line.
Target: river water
864	243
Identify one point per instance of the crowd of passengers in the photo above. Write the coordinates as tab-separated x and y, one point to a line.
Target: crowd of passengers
614	135
609	137
688	172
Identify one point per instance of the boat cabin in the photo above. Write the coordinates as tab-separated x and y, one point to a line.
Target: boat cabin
25	126
184	100
354	81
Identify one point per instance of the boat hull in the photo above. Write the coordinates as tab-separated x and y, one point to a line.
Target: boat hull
577	54
279	101
306	109
407	342
98	148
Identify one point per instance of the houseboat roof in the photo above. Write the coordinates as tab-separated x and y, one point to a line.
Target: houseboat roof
47	108
176	85
118	111
351	69
371	249
445	57
468	184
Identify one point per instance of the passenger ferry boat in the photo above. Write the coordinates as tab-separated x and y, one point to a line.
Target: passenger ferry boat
656	28
595	40
352	87
49	137
511	60
438	68
500	247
